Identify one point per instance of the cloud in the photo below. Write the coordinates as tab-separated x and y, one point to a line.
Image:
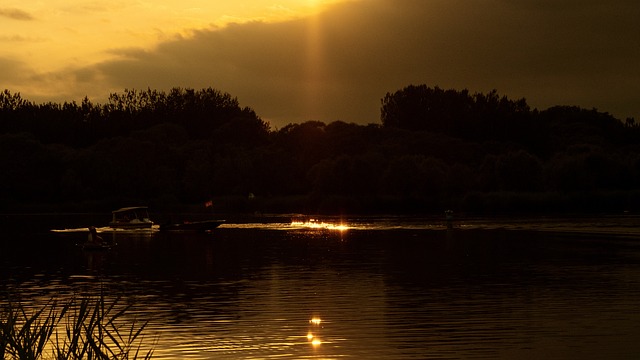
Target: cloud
11	71
21	39
16	14
338	65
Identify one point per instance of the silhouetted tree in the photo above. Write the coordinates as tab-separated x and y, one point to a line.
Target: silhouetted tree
435	149
456	113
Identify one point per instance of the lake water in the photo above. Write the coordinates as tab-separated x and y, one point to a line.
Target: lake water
382	289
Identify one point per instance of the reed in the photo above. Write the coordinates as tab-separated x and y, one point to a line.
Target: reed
88	328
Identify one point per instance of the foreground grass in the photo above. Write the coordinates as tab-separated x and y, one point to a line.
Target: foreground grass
80	329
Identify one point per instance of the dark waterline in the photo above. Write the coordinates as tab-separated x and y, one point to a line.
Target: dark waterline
414	291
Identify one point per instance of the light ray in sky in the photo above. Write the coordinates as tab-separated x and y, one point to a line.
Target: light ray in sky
314	64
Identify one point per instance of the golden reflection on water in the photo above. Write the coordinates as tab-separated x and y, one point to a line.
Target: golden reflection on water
381	294
311	336
320	225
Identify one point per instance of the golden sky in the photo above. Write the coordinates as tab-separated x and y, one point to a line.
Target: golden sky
327	60
54	34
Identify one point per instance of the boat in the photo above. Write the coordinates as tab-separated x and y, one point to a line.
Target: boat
206	225
95	242
134	217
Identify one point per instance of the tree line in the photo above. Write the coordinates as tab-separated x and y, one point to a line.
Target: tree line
433	150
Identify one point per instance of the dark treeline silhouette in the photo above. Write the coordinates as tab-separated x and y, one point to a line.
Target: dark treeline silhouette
436	149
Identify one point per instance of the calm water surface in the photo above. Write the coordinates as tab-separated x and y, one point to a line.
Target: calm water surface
382	289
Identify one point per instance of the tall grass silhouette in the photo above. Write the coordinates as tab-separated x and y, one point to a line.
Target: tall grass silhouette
85	328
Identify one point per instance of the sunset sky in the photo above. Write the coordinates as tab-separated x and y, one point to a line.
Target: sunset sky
327	60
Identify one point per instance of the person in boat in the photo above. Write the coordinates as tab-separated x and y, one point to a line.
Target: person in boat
93	237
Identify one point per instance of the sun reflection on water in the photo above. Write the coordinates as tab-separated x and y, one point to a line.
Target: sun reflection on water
320	225
312	336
